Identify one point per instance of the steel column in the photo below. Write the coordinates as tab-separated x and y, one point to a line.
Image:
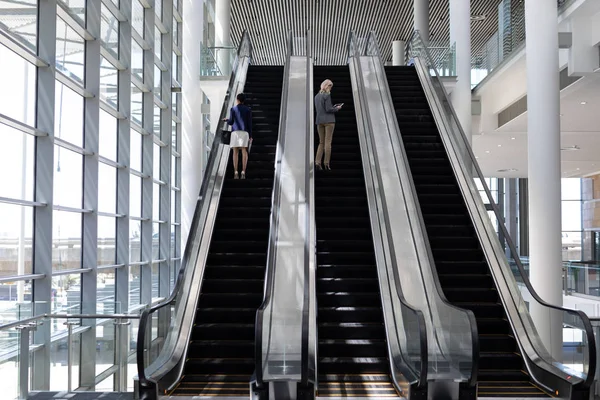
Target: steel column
89	281
165	167
123	174
147	159
44	185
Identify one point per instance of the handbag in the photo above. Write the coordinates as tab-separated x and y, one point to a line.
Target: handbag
225	136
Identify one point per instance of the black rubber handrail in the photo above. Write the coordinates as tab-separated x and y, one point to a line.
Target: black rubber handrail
472	382
144	382
586	324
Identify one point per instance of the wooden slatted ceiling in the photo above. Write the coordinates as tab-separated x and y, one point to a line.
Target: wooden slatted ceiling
268	22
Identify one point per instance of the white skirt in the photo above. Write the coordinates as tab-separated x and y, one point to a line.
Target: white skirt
239	139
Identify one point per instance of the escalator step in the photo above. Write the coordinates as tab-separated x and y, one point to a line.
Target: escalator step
225	331
223	348
353	365
224	315
235	366
352	348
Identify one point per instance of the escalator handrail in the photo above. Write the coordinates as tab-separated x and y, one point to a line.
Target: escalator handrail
273	224
244	50
413	192
420	376
309	336
586	324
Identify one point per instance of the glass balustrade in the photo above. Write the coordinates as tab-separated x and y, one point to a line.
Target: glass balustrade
29	334
216	61
509	38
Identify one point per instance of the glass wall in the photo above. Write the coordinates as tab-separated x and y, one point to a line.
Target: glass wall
90	160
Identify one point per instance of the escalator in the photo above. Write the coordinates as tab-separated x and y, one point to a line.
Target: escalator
220	357
461	265
352	350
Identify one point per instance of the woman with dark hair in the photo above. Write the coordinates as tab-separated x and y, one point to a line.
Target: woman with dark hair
241	135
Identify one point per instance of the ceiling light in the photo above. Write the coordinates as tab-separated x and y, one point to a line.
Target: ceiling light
508	170
562	115
481	17
512	138
487	151
499	145
583	103
477	158
570	148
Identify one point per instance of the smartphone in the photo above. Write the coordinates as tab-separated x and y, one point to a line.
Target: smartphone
339	105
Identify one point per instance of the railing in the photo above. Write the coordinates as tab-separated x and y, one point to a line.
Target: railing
177	305
500	47
550	371
581	278
113	360
405	326
452	331
217	61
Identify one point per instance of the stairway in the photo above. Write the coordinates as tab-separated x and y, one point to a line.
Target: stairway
352	342
463	271
220	358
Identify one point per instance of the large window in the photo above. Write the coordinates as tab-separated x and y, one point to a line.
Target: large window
90	198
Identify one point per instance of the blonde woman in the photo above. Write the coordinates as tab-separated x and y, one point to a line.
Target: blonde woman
325	122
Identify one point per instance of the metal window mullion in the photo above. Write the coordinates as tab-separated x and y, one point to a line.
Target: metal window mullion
89	281
44	181
147	159
165	167
123	178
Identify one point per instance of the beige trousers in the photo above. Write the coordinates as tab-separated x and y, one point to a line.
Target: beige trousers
325	138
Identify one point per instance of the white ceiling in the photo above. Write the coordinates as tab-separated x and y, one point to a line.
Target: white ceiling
580	126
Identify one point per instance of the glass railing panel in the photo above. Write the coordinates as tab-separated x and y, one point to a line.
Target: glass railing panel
502	44
217	61
582	278
67	361
286	290
509	272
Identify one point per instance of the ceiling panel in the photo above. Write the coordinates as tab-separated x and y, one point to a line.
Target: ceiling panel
268	22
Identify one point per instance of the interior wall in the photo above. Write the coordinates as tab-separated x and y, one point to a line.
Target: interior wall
192	132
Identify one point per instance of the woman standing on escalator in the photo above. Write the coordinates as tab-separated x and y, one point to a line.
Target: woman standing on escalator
241	135
325	122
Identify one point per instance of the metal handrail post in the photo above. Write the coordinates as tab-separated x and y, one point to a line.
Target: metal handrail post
121	341
24	358
70	325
